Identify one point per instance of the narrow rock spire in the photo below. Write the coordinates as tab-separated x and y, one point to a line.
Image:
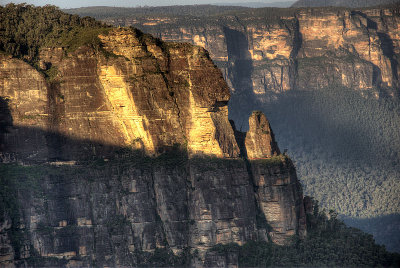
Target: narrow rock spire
260	140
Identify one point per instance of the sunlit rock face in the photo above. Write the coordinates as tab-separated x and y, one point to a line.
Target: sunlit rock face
178	92
145	95
260	141
352	35
118	152
264	55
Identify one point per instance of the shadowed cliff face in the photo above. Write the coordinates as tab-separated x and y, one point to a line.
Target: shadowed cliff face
239	59
121	152
115	212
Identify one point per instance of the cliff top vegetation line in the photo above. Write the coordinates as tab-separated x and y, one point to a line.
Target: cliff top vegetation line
53	28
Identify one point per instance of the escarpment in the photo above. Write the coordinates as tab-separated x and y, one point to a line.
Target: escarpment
268	51
145	96
122	152
342	3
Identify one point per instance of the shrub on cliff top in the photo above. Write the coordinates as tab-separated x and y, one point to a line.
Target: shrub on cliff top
24	29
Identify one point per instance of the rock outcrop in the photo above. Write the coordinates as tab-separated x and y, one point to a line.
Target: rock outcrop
265	53
260	141
122	152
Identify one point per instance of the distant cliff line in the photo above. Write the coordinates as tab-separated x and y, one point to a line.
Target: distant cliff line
273	50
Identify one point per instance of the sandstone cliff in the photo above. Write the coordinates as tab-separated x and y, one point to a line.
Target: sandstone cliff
117	154
268	51
342	3
149	98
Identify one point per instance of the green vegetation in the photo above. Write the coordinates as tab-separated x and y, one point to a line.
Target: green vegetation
79	37
343	145
378	227
175	155
328	243
277	160
206	163
51	74
52	28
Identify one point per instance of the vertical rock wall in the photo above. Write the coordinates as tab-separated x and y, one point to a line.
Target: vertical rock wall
261	53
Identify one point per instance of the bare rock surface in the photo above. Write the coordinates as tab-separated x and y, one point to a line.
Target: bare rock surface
260	141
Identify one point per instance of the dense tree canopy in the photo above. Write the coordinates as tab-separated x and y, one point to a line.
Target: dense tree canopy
24	29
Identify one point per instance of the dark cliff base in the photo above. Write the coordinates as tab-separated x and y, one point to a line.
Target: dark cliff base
133	210
96	204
